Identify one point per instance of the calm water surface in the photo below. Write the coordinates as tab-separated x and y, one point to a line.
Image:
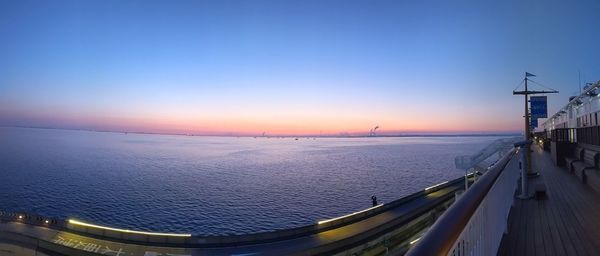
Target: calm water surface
214	185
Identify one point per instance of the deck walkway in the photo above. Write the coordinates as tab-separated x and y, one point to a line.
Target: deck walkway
566	223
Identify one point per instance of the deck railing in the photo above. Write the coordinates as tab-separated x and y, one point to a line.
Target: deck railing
564	135
475	223
587	135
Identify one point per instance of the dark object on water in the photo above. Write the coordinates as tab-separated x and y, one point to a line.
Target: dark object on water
374	199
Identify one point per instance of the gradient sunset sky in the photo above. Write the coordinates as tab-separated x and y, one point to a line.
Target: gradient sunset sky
289	67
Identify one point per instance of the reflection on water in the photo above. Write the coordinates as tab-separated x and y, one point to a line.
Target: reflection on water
214	185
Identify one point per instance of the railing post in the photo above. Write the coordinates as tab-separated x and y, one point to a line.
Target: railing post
524	145
466	179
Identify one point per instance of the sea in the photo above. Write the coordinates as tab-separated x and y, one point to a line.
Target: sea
207	185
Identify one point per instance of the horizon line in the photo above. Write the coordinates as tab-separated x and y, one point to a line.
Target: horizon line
307	135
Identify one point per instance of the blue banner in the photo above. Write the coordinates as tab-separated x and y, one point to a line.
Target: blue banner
539	107
534	123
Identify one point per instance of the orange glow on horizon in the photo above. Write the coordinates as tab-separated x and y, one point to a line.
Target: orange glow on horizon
276	123
306	126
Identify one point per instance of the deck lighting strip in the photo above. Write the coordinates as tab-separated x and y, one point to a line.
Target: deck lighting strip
414	241
348	215
436	185
75	222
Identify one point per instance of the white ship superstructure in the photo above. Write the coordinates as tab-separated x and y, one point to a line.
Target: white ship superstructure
581	111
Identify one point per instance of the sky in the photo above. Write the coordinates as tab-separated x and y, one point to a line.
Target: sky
289	67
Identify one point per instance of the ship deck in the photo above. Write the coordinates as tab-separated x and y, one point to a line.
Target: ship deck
567	222
24	239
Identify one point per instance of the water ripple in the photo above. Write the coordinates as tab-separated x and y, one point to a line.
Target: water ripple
214	185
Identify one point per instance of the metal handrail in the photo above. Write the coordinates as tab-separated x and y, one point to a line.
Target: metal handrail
441	237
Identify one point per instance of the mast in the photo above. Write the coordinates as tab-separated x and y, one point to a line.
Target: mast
527	116
526	92
527	126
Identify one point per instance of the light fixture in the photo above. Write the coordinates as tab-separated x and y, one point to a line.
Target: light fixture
414	241
436	185
348	215
79	223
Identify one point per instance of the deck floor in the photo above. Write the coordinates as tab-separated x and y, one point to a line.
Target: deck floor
566	223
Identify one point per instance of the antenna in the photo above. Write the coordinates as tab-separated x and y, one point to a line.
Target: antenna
579	75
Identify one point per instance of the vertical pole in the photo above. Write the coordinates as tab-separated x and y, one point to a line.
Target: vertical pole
524	160
466	179
524	171
527	128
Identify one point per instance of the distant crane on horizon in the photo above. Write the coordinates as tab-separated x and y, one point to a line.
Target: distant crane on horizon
373	130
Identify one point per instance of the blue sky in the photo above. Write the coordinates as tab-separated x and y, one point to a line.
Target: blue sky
288	67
